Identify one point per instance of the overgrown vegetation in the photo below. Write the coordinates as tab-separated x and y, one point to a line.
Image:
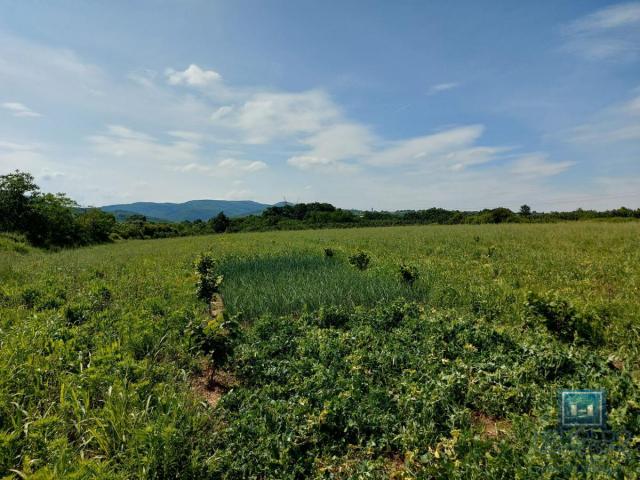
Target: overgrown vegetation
56	221
360	260
341	373
409	273
48	220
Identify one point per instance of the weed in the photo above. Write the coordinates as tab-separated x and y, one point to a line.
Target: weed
408	274
360	260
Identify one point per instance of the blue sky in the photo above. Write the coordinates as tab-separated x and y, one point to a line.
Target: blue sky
364	104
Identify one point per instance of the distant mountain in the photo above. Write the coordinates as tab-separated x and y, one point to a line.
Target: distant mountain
192	210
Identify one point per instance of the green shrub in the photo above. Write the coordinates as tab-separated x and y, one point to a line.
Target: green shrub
563	320
30	297
209	280
408	274
332	317
100	298
360	260
43	300
218	337
5	299
77	314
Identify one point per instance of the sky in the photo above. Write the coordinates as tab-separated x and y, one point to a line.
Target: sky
364	104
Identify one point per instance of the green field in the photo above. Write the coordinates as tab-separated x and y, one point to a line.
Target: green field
329	371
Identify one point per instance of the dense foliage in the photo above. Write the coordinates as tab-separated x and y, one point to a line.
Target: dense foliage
54	220
338	372
48	220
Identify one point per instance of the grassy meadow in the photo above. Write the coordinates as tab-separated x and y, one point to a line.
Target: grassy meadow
329	371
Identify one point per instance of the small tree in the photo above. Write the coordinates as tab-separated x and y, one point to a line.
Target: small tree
525	210
97	225
52	221
220	223
17	190
499	215
209	280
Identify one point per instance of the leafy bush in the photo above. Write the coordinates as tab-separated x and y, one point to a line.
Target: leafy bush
209	280
563	320
77	314
100	298
408	274
30	297
218	336
5	299
360	260
343	399
14	242
332	317
43	299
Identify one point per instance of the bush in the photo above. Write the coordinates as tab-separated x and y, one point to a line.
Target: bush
218	337
5	299
360	260
96	225
220	223
77	314
100	297
209	280
30	297
409	274
563	320
332	317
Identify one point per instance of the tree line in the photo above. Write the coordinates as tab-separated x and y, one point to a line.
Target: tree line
54	220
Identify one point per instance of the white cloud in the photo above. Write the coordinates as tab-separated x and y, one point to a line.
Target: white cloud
23	156
617	124
16	147
189	136
193	76
268	116
18	109
442	87
127	133
241	165
143	77
320	164
614	16
428	148
341	141
460	159
537	165
609	33
224	168
123	142
221	112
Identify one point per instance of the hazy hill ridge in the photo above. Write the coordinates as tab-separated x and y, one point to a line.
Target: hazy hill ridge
191	210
